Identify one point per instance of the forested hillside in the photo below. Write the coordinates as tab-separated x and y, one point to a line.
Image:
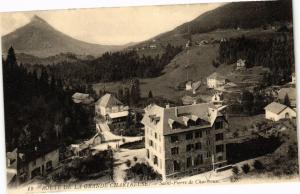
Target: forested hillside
36	105
275	53
246	15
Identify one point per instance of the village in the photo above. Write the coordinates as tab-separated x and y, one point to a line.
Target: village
204	137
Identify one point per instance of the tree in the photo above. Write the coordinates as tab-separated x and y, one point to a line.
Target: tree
150	95
235	172
246	168
258	165
247	101
286	100
11	57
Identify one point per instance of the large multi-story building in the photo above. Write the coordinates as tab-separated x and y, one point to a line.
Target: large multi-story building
184	140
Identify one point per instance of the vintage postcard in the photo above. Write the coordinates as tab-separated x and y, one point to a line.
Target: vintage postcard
149	96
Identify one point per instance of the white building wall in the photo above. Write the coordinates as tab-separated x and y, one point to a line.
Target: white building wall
157	149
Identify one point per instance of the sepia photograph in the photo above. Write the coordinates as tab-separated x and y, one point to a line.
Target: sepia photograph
149	96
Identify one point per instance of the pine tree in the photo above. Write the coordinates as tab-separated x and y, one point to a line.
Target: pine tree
150	95
287	101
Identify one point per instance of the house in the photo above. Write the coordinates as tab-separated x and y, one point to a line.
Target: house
217	99
31	161
240	64
112	111
152	46
290	92
82	98
293	78
276	111
215	80
184	140
188	85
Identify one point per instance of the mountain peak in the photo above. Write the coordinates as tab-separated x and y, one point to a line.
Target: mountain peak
38	19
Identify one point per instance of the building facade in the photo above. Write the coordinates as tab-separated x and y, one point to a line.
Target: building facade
215	80
276	111
112	111
185	140
38	162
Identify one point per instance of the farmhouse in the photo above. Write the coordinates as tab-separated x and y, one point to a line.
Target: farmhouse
240	64
38	160
184	140
112	111
215	80
82	98
293	78
276	111
217	99
191	85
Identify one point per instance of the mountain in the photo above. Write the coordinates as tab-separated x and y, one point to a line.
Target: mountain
250	19
40	39
247	15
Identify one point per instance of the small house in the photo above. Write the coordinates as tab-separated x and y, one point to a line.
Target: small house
31	161
215	80
276	111
188	85
82	98
240	64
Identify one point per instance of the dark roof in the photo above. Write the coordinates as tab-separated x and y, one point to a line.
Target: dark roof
30	152
108	100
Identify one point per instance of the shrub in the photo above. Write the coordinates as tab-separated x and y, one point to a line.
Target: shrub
135	158
258	165
128	163
246	168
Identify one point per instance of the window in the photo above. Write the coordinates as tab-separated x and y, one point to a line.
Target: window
155	134
174	138
148	154
219	125
198	146
198	134
220	158
207	132
155	160
219	148
151	142
189	147
208	142
208	154
198	160
188	162
174	150
49	165
176	166
219	137
189	136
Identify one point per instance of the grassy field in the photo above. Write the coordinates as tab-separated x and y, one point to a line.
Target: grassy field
194	63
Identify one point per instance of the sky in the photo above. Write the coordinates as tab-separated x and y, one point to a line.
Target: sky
113	26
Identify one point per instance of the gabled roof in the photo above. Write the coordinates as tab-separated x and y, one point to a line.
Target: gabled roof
108	100
275	107
207	112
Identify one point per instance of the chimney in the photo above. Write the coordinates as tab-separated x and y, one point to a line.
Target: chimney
168	105
194	101
35	148
176	111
